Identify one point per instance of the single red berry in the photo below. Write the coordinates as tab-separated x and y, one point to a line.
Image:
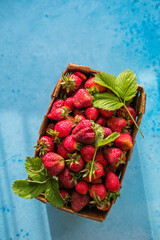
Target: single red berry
90	83
70	83
98	190
101	121
99	158
82	99
81	75
107	132
87	152
57	114
66	179
79	201
70	144
45	144
112	182
49	129
54	163
82	187
124	142
106	113
62	151
57	104
92	113
68	103
65	195
113	156
75	162
64	128
116	124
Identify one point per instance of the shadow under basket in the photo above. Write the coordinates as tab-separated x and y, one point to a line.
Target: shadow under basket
138	104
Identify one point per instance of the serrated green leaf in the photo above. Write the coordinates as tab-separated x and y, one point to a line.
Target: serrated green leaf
26	189
126	85
109	139
52	193
34	167
107	101
107	80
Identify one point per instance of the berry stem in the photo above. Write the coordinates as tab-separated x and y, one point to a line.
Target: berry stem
92	164
40	170
39	182
133	120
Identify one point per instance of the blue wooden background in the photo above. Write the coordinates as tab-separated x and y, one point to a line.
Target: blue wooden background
37	41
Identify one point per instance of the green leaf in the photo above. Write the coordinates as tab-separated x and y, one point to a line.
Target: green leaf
35	169
107	80
26	189
109	139
52	193
107	101
126	85
99	132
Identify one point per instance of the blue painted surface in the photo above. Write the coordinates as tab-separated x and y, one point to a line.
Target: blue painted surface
38	40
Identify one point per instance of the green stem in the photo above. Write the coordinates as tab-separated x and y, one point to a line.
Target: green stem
40	170
92	164
133	120
39	182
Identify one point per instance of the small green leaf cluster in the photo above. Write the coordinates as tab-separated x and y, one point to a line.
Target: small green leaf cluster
40	182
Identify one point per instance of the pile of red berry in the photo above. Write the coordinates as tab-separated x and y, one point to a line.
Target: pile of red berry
87	174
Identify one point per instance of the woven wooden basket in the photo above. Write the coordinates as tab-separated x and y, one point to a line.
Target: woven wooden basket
139	104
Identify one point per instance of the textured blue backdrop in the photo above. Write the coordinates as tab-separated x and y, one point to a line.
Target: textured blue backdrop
37	41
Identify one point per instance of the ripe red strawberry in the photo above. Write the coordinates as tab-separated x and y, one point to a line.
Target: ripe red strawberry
101	121
79	201
70	144
99	158
81	125
45	144
122	112
84	133
98	171
49	129
81	75
64	128
57	104
75	162
96	181
107	132
78	118
98	190
124	142
92	113
87	152
82	187
66	179
95	87
112	182
82	99
68	103
65	195
53	162
113	156
62	151
58	114
71	83
106	113
116	124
